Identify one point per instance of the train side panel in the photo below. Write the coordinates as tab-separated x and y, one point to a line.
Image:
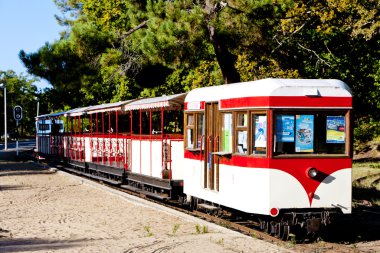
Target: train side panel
177	159
245	189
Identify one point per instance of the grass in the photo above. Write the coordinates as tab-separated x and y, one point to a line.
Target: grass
175	229
147	230
366	182
201	229
220	242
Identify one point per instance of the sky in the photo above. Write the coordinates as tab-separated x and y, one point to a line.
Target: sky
26	25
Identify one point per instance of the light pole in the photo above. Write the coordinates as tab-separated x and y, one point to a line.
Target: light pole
38	106
5	117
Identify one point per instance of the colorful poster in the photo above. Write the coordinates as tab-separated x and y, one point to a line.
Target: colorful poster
304	133
261	131
336	129
285	128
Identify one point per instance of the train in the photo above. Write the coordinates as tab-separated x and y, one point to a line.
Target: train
278	149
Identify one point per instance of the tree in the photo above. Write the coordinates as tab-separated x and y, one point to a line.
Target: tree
20	91
184	33
336	39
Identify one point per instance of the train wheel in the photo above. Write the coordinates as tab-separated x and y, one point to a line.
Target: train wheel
279	229
285	232
262	225
193	203
272	228
268	227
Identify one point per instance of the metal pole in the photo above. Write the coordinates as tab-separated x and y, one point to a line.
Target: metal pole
5	120
17	138
38	108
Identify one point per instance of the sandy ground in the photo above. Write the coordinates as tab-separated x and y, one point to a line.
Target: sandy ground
43	211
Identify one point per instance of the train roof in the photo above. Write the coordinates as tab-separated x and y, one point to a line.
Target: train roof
51	115
76	112
117	106
272	92
172	102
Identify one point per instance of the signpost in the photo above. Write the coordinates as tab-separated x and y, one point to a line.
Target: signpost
17	115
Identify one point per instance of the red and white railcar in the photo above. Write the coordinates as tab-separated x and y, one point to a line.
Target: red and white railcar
156	144
271	147
137	143
278	148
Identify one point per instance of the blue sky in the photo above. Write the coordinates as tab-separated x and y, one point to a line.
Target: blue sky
26	25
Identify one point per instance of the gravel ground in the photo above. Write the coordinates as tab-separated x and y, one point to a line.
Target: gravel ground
46	211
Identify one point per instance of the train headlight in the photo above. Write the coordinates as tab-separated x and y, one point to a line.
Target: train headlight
312	172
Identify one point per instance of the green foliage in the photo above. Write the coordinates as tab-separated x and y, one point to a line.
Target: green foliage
255	69
175	229
201	229
148	231
20	91
366	129
205	74
313	35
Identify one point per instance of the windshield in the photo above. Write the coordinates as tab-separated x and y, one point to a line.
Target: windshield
311	132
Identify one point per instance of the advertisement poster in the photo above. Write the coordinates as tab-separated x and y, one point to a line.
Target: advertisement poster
336	129
304	133
261	131
285	128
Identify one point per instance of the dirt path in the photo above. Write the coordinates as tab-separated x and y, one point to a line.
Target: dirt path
43	211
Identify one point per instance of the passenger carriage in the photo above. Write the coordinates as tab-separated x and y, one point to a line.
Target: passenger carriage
49	135
156	158
136	143
273	147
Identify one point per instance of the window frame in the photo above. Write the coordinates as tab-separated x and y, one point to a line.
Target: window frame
195	129
238	128
250	132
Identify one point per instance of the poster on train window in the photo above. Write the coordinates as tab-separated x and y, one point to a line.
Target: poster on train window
261	131
285	128
335	129
304	133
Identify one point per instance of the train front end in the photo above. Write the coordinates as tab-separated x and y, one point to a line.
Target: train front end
277	148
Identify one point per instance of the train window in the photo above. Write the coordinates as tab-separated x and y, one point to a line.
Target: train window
124	122
259	138
242	120
194	130
43	127
241	137
190	130
173	122
226	136
200	130
310	133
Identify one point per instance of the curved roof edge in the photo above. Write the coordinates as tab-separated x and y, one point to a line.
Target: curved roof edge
271	87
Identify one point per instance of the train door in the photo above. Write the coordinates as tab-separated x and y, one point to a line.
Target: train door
211	163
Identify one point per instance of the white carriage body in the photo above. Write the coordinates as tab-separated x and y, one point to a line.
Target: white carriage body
257	184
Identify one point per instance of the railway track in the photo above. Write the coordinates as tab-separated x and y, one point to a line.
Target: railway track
228	220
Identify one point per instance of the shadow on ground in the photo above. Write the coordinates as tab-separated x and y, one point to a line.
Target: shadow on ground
36	244
362	225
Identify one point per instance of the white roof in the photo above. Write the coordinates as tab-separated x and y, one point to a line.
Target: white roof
51	115
76	112
172	101
271	87
117	106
